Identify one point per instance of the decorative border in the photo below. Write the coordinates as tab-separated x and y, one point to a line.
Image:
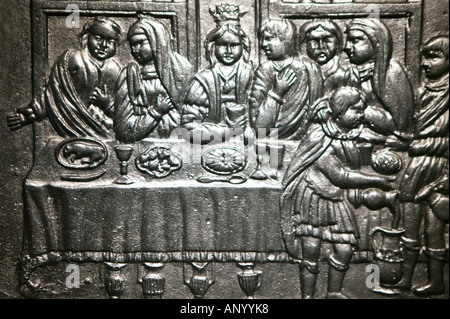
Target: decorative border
175	256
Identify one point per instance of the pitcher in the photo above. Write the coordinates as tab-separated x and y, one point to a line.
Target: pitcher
388	256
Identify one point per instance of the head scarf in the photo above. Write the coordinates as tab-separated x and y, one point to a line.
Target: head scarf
381	39
174	71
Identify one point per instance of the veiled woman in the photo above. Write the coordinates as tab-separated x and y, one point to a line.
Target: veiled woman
150	93
383	80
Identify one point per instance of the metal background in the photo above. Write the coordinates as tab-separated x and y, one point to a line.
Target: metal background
278	281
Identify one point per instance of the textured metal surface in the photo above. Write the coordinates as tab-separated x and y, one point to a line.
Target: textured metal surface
210	149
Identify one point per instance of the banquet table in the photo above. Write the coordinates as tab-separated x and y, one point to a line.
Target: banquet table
82	215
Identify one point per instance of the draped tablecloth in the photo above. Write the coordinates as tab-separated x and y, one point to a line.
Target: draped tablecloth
173	218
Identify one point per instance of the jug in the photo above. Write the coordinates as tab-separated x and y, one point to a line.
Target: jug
388	254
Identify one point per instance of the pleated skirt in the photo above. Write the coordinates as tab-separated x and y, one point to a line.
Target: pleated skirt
326	219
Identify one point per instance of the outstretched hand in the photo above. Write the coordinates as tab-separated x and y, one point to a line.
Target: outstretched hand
21	118
396	143
385	183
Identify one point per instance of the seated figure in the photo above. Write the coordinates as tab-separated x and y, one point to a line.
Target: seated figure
215	107
285	86
78	96
150	93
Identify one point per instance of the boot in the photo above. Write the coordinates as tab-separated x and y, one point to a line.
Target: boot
409	263
410	254
336	274
308	278
435	274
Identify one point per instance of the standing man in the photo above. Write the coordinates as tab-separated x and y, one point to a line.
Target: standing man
78	96
424	186
285	86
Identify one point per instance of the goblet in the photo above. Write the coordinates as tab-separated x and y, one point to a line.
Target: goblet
235	111
123	153
276	155
260	149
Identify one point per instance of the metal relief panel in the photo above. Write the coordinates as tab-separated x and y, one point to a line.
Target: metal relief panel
307	134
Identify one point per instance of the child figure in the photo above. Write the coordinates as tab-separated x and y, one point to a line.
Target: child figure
325	165
216	104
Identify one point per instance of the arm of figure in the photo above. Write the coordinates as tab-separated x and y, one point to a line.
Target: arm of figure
268	112
157	115
101	97
201	132
37	109
259	89
206	133
369	136
437	128
379	120
343	177
135	127
432	146
193	115
432	140
398	97
128	126
24	116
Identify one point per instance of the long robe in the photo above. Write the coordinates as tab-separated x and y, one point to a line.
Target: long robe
204	112
66	98
290	117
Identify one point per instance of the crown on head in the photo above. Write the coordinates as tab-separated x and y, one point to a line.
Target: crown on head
226	13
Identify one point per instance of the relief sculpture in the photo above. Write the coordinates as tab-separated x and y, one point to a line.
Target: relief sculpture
326	163
216	103
389	92
285	86
424	185
77	98
172	143
150	92
323	42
